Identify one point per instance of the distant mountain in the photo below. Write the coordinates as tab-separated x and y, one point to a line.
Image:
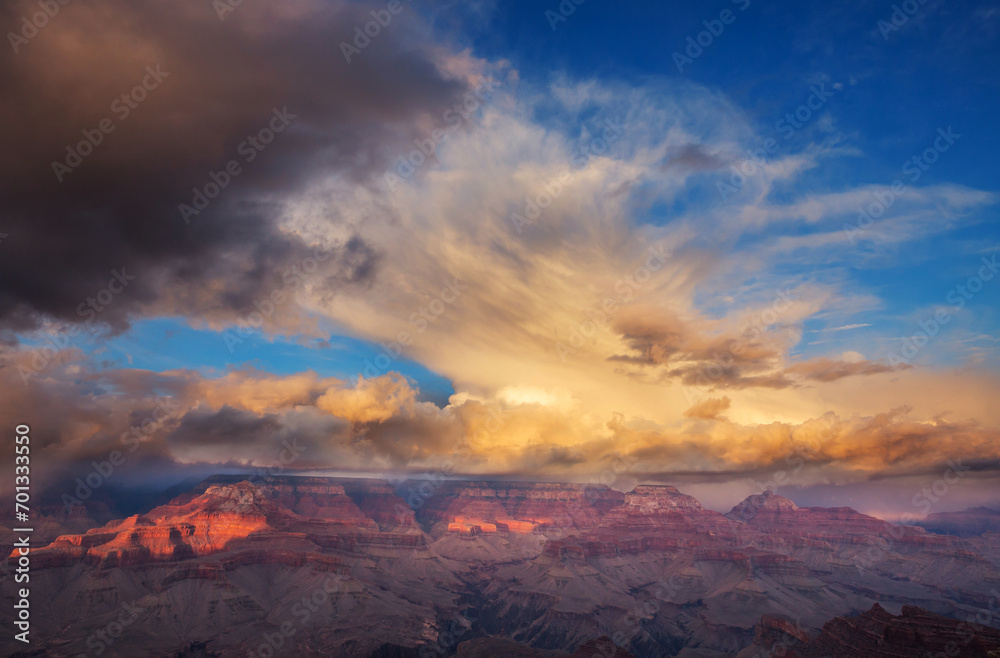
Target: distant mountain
973	521
353	567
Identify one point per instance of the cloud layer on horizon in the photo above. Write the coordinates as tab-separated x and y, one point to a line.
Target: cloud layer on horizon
249	419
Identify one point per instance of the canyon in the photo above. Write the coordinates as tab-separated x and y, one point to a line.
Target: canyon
362	567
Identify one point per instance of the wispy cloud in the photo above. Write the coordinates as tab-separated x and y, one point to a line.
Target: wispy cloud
845	327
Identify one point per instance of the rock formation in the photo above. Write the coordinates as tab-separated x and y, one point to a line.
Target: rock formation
973	521
915	632
368	568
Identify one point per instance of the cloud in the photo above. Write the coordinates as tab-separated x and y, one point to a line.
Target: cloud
588	330
588	296
708	409
371	400
851	356
258	391
206	428
828	370
377	426
845	327
221	84
698	354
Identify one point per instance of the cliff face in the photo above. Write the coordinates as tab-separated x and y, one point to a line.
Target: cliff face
651	518
782	521
488	507
771	512
491	566
205	525
244	518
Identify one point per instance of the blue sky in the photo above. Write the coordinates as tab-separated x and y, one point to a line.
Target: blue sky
892	94
906	87
172	344
900	84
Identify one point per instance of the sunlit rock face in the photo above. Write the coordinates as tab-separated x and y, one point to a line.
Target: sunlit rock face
487	507
475	567
217	517
205	525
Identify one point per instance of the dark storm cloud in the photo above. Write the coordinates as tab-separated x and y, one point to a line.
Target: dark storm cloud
203	426
209	85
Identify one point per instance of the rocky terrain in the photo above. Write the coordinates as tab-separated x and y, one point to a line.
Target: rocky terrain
490	647
878	634
353	567
973	521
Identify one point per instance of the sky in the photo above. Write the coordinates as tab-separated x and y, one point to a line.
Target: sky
730	246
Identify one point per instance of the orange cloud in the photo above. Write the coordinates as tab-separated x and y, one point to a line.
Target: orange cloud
709	409
371	401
